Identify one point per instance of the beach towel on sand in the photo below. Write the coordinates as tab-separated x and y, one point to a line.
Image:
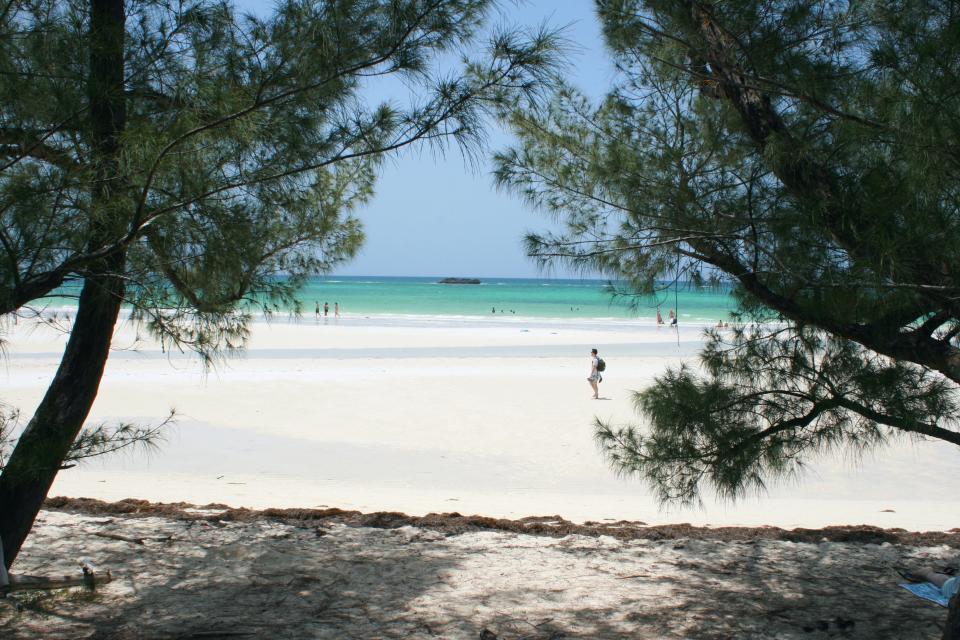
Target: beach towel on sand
927	591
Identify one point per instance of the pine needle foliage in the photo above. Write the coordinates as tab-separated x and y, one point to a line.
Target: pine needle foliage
196	165
246	150
93	441
804	152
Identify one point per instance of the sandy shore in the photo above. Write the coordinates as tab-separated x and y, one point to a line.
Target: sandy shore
380	416
190	573
420	415
389	414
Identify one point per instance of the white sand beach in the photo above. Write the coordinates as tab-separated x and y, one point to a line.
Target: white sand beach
426	415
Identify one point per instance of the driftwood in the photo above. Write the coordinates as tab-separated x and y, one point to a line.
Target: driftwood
114	536
132	540
89	578
196	635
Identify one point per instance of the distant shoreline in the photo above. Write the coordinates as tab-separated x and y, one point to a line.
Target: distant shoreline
500	298
308	317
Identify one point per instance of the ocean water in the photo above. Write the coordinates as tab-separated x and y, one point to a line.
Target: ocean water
507	298
495	298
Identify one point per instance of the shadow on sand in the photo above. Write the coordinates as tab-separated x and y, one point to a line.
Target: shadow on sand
273	580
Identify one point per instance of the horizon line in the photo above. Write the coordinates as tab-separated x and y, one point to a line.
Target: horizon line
478	277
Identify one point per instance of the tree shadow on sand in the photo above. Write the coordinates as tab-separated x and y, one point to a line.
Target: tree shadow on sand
267	579
277	582
765	589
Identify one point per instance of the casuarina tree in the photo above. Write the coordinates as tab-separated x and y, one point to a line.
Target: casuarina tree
804	152
193	164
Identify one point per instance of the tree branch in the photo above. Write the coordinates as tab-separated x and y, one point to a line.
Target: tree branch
16	144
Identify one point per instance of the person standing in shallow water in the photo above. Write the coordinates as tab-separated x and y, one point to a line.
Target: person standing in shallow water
659	317
326	309
336	309
595	376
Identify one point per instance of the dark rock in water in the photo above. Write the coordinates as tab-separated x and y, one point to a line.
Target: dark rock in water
458	281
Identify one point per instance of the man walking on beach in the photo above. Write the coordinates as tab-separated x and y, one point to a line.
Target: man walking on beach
595	376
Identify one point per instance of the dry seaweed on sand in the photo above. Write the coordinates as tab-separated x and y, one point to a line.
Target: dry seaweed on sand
342	574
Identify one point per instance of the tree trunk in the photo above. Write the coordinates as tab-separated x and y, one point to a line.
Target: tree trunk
4	578
47	439
951	630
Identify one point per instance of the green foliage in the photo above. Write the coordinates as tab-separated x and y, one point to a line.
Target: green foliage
763	401
93	441
803	151
9	417
246	148
196	165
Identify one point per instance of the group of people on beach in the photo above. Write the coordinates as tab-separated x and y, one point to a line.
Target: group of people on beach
670	314
326	309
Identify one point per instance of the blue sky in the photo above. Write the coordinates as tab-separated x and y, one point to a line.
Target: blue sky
436	216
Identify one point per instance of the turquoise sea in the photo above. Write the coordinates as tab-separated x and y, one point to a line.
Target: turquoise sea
507	297
499	298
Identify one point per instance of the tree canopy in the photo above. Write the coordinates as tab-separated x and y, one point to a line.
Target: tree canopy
243	148
181	158
806	153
